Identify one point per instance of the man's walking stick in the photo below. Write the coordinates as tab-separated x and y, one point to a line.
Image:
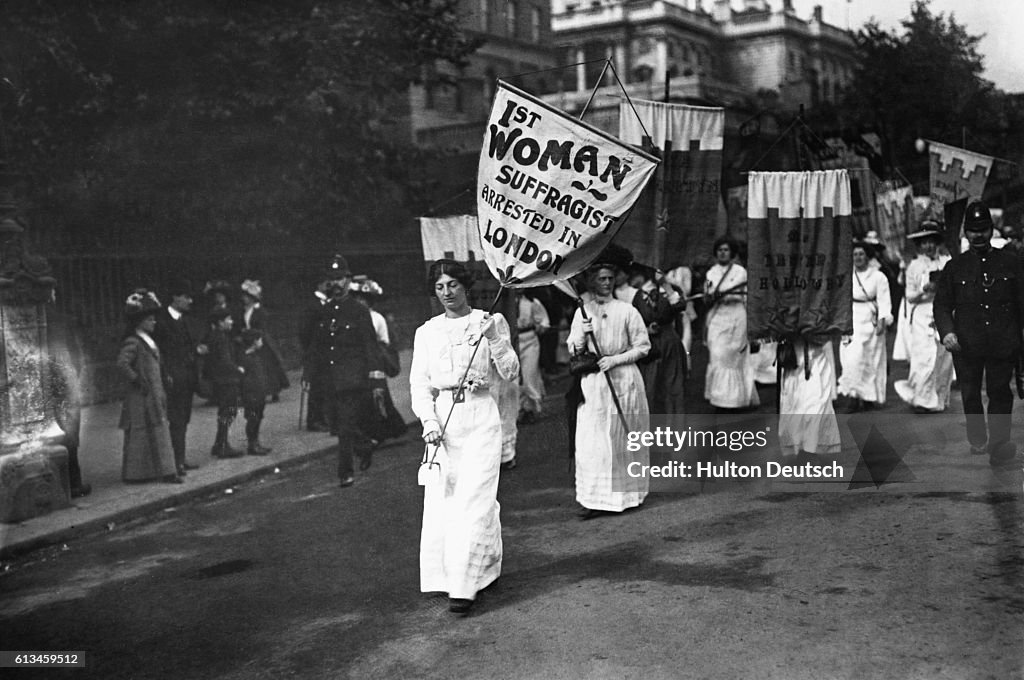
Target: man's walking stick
302	401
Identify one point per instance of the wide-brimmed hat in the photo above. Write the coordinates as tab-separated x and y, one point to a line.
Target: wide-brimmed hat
252	288
365	285
337	268
141	303
217	286
925	229
871	239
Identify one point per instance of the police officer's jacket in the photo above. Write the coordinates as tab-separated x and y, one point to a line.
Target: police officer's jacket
344	345
981	299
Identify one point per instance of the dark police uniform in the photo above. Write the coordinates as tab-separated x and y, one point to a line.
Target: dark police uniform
343	350
980	298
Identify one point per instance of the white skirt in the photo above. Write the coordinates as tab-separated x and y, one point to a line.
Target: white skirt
460	543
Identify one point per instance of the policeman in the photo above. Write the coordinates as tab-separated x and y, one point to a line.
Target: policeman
979	312
344	348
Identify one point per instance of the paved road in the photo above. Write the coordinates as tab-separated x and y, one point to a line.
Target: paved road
292	577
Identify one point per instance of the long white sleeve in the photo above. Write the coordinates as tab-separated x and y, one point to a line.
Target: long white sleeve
420	391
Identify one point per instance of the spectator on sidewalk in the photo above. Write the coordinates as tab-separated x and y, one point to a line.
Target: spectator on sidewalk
178	336
254	316
254	389
225	374
148	454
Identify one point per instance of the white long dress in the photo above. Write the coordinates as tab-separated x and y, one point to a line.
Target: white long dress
729	381
532	322
863	356
460	543
807	419
602	460
931	366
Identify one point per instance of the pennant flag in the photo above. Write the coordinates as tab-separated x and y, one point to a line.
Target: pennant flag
454	237
956	173
800	254
895	212
552	190
676	219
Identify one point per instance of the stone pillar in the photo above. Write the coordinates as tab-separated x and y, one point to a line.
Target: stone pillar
661	59
622	61
581	70
33	467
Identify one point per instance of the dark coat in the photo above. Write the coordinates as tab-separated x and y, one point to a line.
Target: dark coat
344	346
221	367
178	340
981	299
276	378
254	380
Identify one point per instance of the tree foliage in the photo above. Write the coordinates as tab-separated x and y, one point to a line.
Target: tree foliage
198	107
926	82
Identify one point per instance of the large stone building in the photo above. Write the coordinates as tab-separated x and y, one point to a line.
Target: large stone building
725	57
739	59
448	111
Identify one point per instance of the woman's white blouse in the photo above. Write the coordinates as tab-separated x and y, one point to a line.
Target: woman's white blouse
442	351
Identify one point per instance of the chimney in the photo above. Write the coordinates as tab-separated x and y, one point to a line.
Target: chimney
817	14
755	5
787	6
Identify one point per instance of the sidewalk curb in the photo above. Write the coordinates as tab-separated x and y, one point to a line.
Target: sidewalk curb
119	517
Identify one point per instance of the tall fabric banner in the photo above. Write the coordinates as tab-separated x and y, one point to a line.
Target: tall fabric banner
956	173
895	211
737	211
454	237
676	220
800	254
552	190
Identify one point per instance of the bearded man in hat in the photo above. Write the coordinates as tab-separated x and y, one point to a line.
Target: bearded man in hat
178	336
979	313
343	353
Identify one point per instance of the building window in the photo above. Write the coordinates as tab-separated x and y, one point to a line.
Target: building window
485	15
510	19
535	19
428	96
686	52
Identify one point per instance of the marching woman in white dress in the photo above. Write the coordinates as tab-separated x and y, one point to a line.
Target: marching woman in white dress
863	355
729	381
460	543
603	483
927	386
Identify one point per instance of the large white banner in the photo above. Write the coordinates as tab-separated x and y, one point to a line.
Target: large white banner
552	190
453	237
